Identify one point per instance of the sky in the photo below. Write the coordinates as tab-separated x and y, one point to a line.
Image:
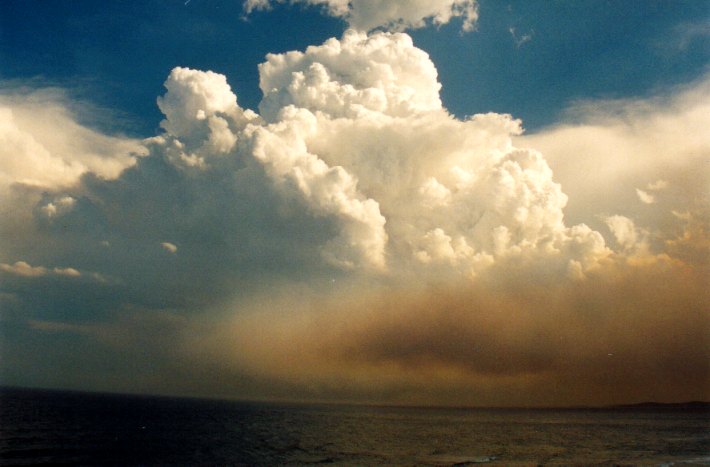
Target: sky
426	202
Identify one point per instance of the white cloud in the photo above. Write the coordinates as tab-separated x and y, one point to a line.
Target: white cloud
367	109
360	75
353	134
201	116
42	144
352	141
21	268
369	14
645	197
169	247
658	143
195	96
251	5
624	231
329	191
397	15
58	206
71	272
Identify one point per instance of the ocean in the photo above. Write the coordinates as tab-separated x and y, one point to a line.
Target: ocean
72	428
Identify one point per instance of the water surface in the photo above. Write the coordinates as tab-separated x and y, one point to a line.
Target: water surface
72	428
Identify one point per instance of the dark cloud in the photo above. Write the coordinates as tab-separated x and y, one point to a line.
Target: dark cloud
624	335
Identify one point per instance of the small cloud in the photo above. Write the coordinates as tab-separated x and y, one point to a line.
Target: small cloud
657	185
688	33
66	272
24	269
256	5
624	231
169	247
58	207
99	277
520	40
21	268
645	197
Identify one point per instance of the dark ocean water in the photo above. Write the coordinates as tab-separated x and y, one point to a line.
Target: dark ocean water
66	428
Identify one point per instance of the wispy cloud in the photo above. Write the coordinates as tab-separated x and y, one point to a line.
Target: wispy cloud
522	39
45	146
645	197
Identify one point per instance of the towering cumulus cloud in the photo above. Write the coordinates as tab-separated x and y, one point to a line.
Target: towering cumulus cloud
354	130
352	240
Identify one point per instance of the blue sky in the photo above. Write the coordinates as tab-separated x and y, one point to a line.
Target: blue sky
118	55
356	217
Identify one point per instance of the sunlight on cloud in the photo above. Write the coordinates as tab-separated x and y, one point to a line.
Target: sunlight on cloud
169	247
21	268
645	197
611	148
57	207
43	145
406	183
473	264
393	15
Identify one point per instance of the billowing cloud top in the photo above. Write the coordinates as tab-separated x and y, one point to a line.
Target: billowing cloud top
365	15
355	131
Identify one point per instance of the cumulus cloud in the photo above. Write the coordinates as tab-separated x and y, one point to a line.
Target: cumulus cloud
466	255
169	247
432	188
201	113
357	76
624	231
57	207
354	133
21	268
397	15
